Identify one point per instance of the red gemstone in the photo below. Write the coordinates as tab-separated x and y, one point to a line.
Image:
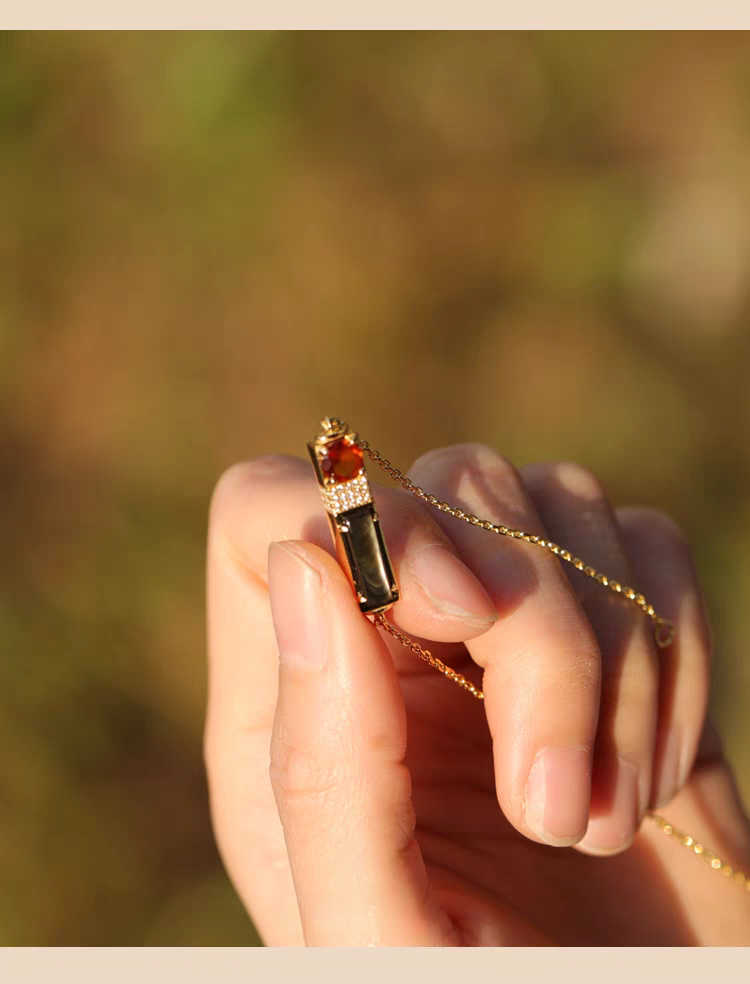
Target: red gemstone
341	461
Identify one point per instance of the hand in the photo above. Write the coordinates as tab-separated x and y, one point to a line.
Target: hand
516	821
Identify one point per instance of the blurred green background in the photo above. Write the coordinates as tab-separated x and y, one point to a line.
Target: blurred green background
207	242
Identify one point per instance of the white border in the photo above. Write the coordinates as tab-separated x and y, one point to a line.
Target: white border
119	965
385	14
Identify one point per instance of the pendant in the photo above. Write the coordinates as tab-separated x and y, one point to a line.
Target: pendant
340	469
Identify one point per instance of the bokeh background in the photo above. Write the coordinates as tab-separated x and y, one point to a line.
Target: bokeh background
207	242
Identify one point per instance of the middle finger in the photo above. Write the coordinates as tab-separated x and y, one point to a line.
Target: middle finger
576	513
540	658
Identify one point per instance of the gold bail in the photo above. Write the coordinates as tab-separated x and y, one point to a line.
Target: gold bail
333	427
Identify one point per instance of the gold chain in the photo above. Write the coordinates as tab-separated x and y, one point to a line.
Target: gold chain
664	631
739	877
427	656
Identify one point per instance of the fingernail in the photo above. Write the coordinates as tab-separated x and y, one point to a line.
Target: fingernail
557	795
297	603
669	772
614	831
449	584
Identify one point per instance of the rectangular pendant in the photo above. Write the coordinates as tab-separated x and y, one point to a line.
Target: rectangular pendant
355	527
367	558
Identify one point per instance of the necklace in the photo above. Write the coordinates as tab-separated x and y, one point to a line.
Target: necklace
337	454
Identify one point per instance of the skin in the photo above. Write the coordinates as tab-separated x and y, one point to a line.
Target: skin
360	798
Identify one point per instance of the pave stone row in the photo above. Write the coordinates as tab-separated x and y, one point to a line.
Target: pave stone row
346	495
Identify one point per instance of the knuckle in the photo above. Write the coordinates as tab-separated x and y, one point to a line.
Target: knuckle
271	465
239	480
225	748
227	490
243	476
467	453
636	692
578	662
573	479
572	668
235	495
402	814
579	670
647	521
468	457
301	777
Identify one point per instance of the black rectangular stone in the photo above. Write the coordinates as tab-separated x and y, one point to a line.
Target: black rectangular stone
358	532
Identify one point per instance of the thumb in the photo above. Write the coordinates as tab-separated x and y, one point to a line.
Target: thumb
341	787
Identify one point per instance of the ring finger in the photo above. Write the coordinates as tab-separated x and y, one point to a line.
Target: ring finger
576	514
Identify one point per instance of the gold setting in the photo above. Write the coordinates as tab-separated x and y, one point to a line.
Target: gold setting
334	429
354	522
338	497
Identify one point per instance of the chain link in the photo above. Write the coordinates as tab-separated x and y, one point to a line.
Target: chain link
664	632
